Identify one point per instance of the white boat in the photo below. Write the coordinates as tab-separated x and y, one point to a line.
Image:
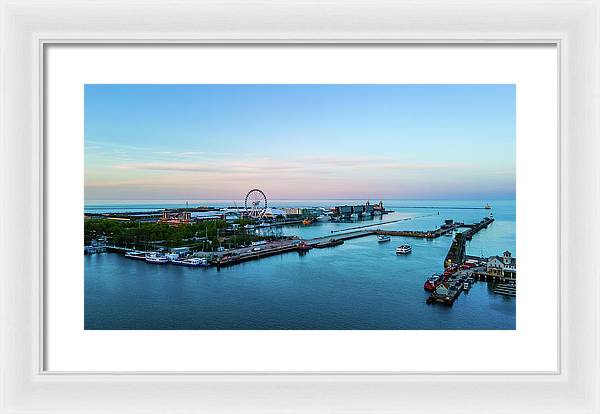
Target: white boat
354	215
404	249
156	258
135	255
487	206
249	226
466	286
383	238
193	262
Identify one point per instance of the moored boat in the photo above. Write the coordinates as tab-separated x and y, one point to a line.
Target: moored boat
451	270
383	238
404	249
155	258
433	282
192	262
136	255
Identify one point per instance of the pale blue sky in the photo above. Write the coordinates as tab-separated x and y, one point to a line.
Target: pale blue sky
159	142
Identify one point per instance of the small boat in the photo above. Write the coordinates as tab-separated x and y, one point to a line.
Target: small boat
466	286
192	262
249	226
404	249
264	225
487	206
432	282
306	222
383	238
156	258
136	255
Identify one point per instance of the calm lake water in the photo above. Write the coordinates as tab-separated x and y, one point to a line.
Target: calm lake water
361	284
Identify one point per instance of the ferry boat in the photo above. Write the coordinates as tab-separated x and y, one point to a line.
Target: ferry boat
383	238
156	258
487	206
433	282
136	255
404	249
192	262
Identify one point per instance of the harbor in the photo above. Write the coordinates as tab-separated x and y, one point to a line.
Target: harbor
428	233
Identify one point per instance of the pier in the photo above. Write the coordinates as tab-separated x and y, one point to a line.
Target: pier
381	224
457	252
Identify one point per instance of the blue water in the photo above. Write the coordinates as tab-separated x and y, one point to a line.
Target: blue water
361	284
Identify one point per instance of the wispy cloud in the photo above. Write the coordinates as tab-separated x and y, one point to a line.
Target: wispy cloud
257	166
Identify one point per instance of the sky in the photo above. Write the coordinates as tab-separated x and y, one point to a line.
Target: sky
216	142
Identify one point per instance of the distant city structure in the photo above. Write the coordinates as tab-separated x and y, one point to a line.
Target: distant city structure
361	210
175	218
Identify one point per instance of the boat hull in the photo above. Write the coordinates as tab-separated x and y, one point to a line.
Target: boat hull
188	264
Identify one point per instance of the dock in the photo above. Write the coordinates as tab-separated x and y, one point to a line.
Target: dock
252	255
457	252
447	298
381	223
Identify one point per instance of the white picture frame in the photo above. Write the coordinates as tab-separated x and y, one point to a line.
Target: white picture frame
28	26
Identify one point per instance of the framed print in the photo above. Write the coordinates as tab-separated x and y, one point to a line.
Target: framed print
291	208
270	249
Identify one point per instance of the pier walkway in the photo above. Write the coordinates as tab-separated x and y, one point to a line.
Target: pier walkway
457	252
381	224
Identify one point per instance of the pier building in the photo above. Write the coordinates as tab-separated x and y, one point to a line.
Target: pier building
362	210
504	266
175	218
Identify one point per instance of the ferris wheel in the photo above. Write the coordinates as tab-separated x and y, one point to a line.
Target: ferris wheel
255	203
